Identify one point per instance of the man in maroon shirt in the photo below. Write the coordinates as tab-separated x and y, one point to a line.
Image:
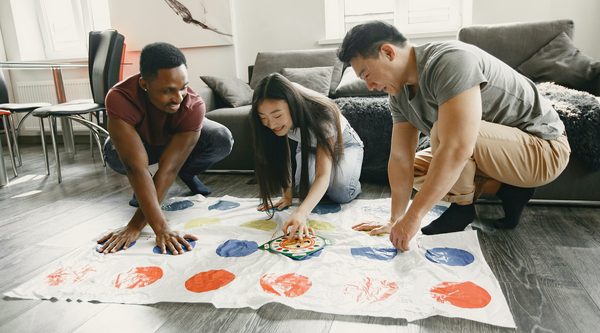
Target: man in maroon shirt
155	117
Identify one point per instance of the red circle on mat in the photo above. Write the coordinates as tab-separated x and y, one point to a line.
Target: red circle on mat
288	285
68	275
210	280
138	277
466	295
370	290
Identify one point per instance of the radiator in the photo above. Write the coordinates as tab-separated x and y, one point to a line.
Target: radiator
44	91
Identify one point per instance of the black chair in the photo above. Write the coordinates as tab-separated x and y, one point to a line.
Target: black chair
13	108
105	55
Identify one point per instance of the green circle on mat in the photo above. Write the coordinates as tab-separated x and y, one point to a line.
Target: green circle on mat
264	225
195	223
286	250
320	225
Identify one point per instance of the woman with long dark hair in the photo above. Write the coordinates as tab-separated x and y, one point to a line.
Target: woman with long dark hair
328	157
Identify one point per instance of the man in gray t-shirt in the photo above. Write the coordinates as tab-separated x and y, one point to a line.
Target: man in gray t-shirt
490	130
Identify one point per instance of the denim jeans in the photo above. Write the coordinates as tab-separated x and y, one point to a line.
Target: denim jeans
214	144
344	185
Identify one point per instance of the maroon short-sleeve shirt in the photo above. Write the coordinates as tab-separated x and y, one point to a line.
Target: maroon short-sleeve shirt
128	101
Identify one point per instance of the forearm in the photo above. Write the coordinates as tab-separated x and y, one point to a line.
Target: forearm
315	194
149	195
401	178
444	170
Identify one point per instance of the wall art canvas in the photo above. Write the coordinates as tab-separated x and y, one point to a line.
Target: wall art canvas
183	23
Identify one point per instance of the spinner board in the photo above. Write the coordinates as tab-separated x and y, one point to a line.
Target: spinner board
295	248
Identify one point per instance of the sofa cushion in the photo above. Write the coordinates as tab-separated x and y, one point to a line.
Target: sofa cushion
271	62
561	62
233	91
351	85
314	78
514	43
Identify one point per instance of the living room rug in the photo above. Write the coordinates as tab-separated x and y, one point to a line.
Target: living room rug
354	274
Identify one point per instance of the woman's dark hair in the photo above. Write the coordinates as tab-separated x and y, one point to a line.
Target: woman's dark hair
272	156
366	40
157	56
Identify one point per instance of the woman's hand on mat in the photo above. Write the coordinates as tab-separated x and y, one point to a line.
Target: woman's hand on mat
298	226
279	205
403	230
173	240
376	227
122	237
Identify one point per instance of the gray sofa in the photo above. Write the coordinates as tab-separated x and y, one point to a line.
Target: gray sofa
516	44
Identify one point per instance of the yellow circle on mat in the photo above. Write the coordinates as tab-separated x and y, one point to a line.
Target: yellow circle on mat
264	225
201	221
320	225
368	233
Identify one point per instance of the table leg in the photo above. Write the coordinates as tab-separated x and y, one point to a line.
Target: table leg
66	126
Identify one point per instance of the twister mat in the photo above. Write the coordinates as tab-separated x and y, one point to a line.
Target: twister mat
356	274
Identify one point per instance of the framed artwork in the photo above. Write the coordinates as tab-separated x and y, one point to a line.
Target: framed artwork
183	23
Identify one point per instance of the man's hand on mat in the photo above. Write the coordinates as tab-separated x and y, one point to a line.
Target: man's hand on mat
122	237
403	230
376	227
171	239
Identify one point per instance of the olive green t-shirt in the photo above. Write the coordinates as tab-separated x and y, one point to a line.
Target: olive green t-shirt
447	69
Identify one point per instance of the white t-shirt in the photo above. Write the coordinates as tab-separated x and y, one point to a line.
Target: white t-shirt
294	134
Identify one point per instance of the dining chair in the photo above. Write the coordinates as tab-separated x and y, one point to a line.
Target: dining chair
6	120
105	56
13	108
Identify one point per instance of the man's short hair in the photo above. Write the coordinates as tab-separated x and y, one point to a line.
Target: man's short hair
366	40
157	56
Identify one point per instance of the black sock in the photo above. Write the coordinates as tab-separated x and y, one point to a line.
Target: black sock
514	200
133	202
455	218
196	186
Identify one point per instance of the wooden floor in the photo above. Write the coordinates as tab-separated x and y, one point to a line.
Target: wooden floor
548	268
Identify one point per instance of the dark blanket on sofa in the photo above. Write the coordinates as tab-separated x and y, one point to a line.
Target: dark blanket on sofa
371	118
580	112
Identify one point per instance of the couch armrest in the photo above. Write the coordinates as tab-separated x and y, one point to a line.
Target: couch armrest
208	96
514	43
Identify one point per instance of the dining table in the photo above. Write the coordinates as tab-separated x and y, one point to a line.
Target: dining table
56	67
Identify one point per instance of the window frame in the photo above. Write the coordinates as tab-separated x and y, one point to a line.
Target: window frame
335	21
85	20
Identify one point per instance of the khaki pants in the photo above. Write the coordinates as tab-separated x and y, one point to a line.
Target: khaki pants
503	153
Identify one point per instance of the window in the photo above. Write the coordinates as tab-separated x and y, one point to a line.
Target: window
412	17
65	25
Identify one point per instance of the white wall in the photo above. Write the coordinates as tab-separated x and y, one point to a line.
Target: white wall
269	25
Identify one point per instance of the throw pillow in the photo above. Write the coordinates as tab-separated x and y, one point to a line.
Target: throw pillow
561	62
352	86
231	90
314	78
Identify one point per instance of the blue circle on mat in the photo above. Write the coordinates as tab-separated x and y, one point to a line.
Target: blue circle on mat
377	253
100	245
224	205
157	250
326	208
310	256
437	210
179	205
237	248
449	256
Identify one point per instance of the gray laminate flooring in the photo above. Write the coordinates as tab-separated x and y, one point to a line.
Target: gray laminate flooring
548	267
